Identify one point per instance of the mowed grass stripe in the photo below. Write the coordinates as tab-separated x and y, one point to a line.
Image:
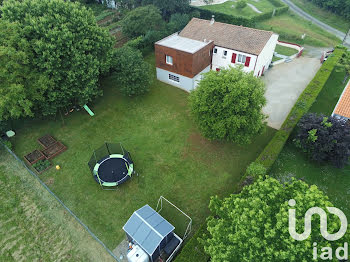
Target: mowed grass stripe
33	226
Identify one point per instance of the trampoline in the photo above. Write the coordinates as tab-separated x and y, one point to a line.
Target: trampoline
111	165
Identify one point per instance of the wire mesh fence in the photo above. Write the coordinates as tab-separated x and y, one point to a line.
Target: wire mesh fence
60	201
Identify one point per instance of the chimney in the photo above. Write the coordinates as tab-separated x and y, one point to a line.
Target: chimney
212	21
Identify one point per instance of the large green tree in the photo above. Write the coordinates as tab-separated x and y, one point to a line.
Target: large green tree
68	47
141	20
227	105
254	225
22	87
170	7
131	73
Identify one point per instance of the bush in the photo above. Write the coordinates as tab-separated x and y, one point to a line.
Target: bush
41	165
256	169
193	250
6	143
241	4
130	71
269	155
324	139
141	20
227	105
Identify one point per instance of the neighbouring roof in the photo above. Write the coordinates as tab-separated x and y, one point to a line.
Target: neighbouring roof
182	43
147	228
343	106
244	39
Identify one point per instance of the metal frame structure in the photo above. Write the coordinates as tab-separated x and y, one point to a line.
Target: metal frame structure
189	226
188	229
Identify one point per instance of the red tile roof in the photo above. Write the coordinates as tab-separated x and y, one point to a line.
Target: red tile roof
343	106
244	39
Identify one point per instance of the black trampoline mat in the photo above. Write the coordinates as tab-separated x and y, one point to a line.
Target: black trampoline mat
112	170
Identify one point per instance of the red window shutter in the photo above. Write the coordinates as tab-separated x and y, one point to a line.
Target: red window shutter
218	69
233	58
247	61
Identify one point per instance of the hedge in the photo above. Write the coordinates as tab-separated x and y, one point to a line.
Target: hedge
269	155
193	250
240	20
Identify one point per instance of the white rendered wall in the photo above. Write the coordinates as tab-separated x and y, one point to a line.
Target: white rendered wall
219	61
265	57
186	83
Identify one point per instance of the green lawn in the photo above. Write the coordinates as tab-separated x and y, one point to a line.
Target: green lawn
291	27
292	163
170	155
34	227
226	8
325	16
287	51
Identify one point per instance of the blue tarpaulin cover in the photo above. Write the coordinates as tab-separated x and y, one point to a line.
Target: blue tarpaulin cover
147	228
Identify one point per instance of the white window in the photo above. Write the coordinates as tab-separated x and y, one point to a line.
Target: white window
225	54
215	50
241	59
174	78
169	60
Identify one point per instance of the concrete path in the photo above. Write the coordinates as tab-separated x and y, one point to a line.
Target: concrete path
201	2
121	251
284	84
305	15
254	8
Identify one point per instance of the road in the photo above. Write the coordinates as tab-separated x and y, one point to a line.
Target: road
305	15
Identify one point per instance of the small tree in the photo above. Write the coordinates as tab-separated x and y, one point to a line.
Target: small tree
141	20
178	22
241	4
324	139
344	64
131	72
227	105
253	225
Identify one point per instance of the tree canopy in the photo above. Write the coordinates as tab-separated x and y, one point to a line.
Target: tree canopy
324	139
170	7
21	86
253	225
227	105
67	46
131	73
141	20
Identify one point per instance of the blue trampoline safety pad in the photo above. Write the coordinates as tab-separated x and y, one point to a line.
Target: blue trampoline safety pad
147	228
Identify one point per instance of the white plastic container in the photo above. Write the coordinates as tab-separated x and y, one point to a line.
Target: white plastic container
136	254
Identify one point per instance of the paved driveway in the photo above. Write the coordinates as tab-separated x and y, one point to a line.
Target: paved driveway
284	84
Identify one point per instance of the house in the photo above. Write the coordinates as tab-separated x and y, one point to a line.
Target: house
342	109
203	45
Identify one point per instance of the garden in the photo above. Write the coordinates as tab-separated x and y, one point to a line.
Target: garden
170	155
185	147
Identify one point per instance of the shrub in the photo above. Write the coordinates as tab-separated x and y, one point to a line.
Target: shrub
324	139
130	71
256	169
141	20
6	143
41	165
193	250
241	4
227	105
